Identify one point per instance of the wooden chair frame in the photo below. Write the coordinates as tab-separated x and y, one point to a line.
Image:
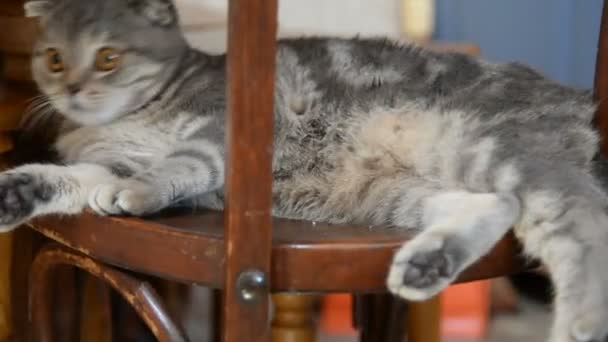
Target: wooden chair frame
250	259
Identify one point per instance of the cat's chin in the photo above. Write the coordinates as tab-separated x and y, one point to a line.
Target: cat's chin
90	118
85	113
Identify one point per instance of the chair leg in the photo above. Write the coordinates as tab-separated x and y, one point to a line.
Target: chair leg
96	311
139	294
217	305
424	320
25	244
66	291
293	318
380	318
6	254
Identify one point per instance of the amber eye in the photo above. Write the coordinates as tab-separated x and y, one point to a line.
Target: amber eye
54	61
107	59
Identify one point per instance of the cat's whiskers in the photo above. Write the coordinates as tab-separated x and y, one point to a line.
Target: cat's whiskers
39	109
36	98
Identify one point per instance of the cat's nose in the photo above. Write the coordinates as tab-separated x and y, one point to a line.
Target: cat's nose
73	88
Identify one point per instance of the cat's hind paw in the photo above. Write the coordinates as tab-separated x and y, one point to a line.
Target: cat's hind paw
124	198
424	267
19	195
590	327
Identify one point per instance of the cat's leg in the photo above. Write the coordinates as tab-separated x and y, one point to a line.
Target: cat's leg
192	168
459	227
37	189
570	235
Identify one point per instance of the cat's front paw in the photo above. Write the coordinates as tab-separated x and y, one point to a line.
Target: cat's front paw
424	267
19	195
124	198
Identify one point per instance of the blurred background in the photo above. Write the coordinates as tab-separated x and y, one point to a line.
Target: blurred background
557	37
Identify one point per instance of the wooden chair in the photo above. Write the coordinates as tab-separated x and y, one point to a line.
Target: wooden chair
244	252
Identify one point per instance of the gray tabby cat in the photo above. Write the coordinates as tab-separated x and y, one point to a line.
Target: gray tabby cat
366	131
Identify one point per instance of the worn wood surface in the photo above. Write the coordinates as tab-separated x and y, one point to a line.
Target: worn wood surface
315	258
250	96
139	294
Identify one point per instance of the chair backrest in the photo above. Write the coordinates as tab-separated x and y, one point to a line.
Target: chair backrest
250	90
601	80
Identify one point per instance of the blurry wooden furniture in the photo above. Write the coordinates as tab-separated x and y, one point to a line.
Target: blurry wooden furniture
16	249
244	251
8	111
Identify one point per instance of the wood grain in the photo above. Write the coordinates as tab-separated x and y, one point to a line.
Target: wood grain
252	27
189	247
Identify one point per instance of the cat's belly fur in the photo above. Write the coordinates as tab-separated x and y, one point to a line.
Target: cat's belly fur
344	172
349	179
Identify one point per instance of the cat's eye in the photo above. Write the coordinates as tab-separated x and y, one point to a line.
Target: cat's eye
107	59
54	61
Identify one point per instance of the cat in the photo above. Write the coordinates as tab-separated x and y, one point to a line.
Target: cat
366	131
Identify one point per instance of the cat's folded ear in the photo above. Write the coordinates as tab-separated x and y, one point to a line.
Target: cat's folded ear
37	8
159	12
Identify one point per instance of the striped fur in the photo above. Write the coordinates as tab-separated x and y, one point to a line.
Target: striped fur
367	131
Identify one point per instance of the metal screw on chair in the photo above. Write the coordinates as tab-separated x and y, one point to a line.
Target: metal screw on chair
252	286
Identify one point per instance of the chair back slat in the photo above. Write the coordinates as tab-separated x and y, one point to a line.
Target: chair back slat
601	80
250	110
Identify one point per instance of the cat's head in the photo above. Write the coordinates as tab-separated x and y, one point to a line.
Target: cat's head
98	60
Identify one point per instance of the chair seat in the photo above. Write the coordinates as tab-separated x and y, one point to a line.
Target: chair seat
307	256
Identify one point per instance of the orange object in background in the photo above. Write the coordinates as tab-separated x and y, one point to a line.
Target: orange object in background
465	310
337	315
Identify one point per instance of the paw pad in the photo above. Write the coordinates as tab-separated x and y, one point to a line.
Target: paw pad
19	195
424	267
